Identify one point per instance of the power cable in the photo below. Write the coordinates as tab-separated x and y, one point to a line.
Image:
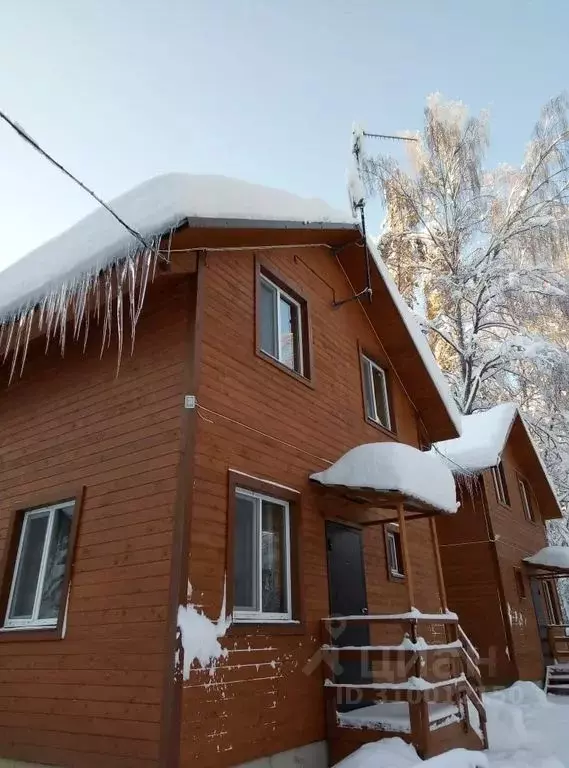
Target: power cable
33	143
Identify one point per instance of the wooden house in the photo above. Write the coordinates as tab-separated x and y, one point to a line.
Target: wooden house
504	592
205	470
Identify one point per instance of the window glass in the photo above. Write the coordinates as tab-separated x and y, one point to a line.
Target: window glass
245	554
380	392
394	553
525	493
280	323
500	484
261	557
56	561
268	319
274	565
36	593
288	334
375	394
28	566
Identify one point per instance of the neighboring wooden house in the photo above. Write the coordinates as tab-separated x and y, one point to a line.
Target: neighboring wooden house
505	603
267	347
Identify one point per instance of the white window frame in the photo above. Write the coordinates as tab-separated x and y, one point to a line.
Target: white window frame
260	615
34	622
501	491
525	493
369	366
392	556
289	299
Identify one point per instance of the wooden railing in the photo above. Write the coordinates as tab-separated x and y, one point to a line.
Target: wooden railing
558	637
412	670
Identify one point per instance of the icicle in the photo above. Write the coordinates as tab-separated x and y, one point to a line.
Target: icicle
30	322
16	347
8	341
120	272
75	301
132	271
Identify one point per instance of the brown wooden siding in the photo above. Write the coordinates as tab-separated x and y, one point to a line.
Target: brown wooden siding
94	697
480	577
263	699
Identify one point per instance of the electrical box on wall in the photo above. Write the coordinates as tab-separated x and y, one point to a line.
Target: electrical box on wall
190	402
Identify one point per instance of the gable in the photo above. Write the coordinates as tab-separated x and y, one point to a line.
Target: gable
62	278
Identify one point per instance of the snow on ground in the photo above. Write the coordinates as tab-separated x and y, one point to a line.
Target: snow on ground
394	467
526	729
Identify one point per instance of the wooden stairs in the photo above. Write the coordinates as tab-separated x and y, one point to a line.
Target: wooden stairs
557	679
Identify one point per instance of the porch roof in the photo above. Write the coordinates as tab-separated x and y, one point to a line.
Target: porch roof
549	561
393	473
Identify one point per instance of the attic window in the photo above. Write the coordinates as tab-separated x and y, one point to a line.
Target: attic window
376	394
527	499
282	325
499	477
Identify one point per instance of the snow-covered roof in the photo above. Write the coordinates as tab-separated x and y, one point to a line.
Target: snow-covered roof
556	557
152	208
419	339
482	440
394	468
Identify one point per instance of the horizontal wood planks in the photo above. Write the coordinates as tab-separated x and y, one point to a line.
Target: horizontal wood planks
480	547
267	696
95	696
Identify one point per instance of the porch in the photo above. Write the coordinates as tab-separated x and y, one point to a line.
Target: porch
544	569
410	674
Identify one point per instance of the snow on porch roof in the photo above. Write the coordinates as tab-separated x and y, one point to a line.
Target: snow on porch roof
394	468
153	208
554	558
482	440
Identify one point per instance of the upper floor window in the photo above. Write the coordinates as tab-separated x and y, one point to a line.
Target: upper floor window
282	331
37	588
375	393
527	499
499	477
394	552
261	558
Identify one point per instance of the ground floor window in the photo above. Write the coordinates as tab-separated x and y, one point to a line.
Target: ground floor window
39	572
261	557
395	566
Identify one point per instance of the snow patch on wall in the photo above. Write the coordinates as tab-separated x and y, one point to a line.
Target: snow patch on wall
200	636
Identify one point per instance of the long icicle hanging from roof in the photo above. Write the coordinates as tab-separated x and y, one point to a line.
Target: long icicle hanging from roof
76	302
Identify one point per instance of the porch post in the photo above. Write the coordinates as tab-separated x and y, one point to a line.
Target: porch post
405	553
440	577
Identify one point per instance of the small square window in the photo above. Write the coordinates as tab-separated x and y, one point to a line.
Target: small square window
262	563
527	499
394	552
520	583
499	477
282	326
375	393
36	591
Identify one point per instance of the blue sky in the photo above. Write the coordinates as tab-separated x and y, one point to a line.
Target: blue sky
264	90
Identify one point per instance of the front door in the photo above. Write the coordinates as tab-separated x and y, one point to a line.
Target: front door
347	589
540	608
